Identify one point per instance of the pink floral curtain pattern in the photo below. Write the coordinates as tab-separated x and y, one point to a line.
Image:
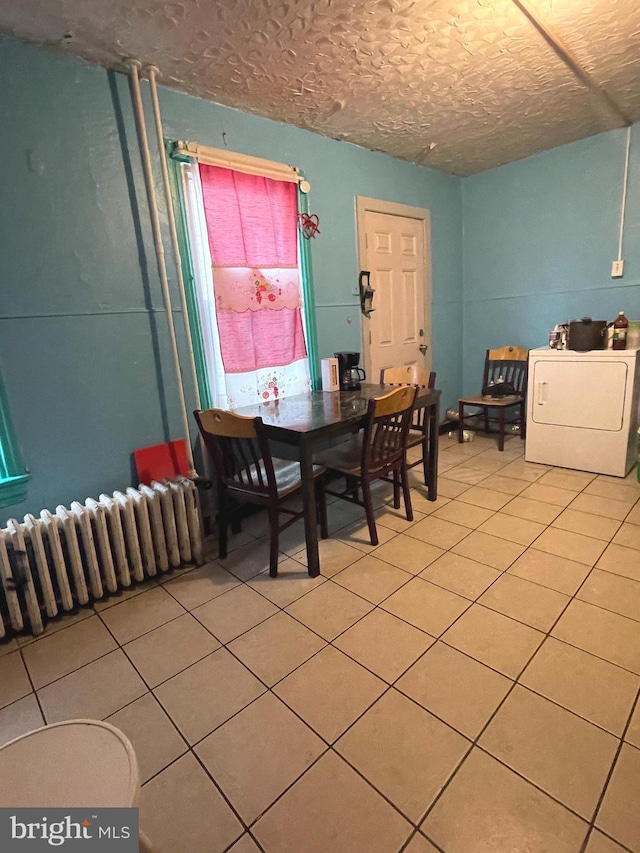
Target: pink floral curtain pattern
241	289
252	235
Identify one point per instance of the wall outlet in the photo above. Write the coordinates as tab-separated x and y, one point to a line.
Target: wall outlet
617	268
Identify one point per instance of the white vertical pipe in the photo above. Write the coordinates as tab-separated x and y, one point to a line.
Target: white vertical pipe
134	67
625	182
152	71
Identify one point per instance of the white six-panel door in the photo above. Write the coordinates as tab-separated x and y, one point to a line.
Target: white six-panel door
395	253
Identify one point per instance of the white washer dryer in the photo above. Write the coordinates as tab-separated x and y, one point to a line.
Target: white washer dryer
582	409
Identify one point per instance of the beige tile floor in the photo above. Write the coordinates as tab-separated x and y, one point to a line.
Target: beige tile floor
471	684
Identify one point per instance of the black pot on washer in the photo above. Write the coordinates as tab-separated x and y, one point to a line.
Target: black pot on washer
587	334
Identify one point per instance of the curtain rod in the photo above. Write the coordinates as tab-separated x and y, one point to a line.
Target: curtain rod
232	160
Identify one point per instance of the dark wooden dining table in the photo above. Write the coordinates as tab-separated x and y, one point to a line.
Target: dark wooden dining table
304	421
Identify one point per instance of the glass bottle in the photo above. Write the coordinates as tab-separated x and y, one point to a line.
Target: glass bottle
620	328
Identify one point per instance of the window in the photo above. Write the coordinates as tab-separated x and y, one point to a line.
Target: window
13	477
251	294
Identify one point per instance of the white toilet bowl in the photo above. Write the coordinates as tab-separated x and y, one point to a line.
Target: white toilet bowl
74	764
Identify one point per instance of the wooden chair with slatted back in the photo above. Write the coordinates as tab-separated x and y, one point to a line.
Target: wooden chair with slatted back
403	375
508	363
248	473
379	452
410	374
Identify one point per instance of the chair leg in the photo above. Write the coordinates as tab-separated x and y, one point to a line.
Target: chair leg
523	422
460	421
396	490
501	428
321	503
486	420
368	508
274	536
223	520
404	477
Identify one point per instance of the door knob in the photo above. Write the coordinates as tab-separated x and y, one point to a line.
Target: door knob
423	348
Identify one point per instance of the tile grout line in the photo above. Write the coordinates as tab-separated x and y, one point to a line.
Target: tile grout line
614	763
33	689
475	742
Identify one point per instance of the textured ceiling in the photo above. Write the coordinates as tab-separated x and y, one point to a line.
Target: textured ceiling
475	77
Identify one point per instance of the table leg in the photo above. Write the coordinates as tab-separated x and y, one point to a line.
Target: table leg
310	510
432	485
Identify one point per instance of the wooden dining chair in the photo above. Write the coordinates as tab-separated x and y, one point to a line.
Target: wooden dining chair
402	375
248	473
410	374
506	364
378	452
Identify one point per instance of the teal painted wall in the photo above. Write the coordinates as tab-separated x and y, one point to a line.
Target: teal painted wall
83	336
539	239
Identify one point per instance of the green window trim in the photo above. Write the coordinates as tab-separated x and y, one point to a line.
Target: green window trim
309	297
13	476
13	490
180	210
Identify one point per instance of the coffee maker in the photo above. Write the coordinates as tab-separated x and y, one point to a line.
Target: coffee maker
348	371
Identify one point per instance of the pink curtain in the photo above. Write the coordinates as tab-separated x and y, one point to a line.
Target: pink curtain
251	220
261	340
252	231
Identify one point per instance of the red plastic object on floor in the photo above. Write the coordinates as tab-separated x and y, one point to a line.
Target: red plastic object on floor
161	461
